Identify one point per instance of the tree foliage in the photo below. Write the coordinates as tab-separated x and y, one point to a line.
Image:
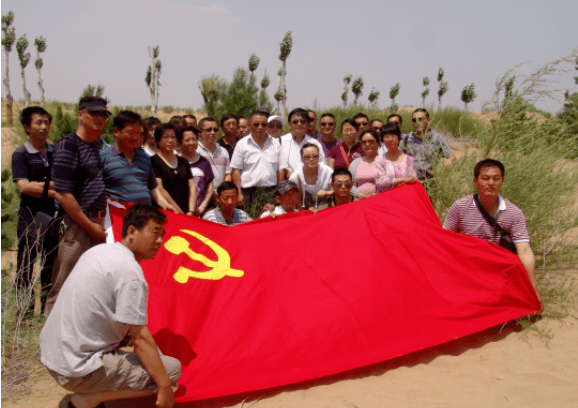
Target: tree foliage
357	88
373	98
8	38
425	92
468	95
443	87
393	92
24	57
40	44
346	81
92	90
152	78
281	93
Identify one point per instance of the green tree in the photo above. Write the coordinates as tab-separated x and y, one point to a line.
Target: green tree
393	92
468	95
8	38
285	48
346	81
40	44
569	116
152	78
263	97
425	92
357	88
373	98
443	87
212	89
91	90
24	57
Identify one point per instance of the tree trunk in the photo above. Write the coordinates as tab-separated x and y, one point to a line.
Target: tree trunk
152	84
9	98
41	86
24	90
284	99
156	82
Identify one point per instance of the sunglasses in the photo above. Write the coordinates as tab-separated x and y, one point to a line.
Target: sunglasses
419	120
299	121
275	126
343	183
259	124
211	130
324	124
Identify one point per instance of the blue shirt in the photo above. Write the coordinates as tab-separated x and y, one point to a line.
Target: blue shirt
124	181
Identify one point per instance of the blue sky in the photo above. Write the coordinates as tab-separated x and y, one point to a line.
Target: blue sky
386	42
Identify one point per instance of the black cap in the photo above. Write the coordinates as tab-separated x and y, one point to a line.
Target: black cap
93	104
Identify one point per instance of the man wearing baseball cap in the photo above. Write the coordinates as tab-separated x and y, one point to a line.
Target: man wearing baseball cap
77	174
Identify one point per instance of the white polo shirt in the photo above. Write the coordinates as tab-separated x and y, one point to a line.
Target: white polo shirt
258	166
220	163
291	152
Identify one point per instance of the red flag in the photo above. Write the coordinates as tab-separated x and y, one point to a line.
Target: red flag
274	302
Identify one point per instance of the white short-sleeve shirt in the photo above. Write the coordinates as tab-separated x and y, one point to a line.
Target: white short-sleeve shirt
105	292
258	166
291	152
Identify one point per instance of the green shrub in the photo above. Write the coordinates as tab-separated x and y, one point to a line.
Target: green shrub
168	109
455	121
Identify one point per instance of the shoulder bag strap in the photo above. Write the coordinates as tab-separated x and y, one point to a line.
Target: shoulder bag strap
489	219
48	177
344	155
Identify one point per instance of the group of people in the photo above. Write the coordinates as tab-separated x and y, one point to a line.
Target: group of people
182	166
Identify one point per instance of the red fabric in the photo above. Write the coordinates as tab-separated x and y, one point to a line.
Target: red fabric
327	292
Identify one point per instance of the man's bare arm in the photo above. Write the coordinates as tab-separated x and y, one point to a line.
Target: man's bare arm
529	261
34	188
146	349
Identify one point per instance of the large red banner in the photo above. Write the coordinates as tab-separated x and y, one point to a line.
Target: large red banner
274	302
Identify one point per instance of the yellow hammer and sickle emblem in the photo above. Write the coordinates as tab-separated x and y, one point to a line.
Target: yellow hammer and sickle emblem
219	268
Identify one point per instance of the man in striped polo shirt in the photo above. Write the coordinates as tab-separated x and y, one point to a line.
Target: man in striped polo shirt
77	176
128	172
464	215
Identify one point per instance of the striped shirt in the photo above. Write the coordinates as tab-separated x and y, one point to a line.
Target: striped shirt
77	169
126	181
220	162
465	217
215	215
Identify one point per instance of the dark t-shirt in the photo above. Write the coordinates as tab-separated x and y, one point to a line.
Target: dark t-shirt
33	167
227	147
175	181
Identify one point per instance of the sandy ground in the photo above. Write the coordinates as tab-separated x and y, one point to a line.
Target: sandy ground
500	367
494	368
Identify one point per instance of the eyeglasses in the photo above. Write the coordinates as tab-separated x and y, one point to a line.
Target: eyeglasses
368	142
310	156
396	122
275	126
324	124
259	124
211	130
419	120
347	132
299	121
363	123
343	183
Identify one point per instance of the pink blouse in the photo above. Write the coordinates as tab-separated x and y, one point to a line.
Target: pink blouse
405	168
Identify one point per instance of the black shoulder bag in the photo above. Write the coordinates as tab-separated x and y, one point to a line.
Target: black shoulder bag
505	237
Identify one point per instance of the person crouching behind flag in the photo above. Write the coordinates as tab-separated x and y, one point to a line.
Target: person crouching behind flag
226	213
105	297
287	195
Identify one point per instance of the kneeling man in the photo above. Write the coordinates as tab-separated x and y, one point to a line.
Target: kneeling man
487	215
105	297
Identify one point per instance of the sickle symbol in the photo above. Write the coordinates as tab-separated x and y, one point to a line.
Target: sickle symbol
219	268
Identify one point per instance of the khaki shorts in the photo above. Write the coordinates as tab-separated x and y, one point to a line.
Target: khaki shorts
120	370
